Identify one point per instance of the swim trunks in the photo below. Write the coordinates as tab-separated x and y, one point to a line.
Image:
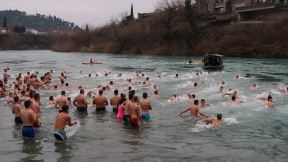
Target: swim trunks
134	122
18	120
146	116
126	118
60	135
81	109
100	109
28	131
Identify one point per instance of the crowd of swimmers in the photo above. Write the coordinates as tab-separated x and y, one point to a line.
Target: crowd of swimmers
23	95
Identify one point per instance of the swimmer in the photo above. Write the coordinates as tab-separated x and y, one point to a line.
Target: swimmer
194	110
114	101
135	113
253	87
16	109
284	90
63	119
51	101
174	98
61	101
145	107
191	98
156	95
176	76
120	107
215	122
28	118
237	77
221	89
127	109
269	102
203	103
233	100
100	101
80	102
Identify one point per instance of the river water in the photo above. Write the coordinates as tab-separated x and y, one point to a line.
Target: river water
251	131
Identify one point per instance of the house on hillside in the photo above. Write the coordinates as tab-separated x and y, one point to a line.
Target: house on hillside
245	10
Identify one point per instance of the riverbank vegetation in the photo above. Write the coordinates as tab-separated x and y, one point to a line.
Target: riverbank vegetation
175	29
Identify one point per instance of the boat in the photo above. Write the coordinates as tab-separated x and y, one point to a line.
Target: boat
213	61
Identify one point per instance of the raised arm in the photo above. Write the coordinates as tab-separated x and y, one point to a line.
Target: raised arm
184	111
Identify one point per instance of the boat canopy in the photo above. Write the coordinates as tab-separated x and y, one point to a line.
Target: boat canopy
213	60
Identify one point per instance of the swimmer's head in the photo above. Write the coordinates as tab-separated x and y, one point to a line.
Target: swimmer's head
195	84
129	88
80	87
69	99
51	98
130	96
193	95
269	98
223	83
203	101
27	104
104	88
111	83
89	75
66	84
233	98
145	95
16	99
123	95
219	116
100	92
147	78
196	102
155	92
82	91
135	99
116	92
37	96
55	87
177	75
63	93
65	108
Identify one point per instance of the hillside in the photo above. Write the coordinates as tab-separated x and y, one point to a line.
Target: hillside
38	21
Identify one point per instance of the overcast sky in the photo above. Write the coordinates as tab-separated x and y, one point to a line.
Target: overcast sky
93	12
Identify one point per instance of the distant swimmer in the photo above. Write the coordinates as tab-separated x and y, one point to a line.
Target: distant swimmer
62	119
237	77
203	103
51	101
145	107
221	89
195	84
174	98
253	87
176	76
80	102
269	102
156	95
61	101
191	98
114	101
233	100
100	101
190	61
194	110
284	90
28	118
215	122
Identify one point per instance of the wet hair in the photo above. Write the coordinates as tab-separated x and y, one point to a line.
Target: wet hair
36	96
64	108
155	92
103	88
16	99
63	93
193	95
27	103
55	87
196	102
51	98
135	98
82	91
111	82
129	88
233	98
100	92
203	100
219	116
147	78
195	84
116	92
132	92
176	75
66	84
80	87
145	95
122	95
269	97
130	96
121	101
89	75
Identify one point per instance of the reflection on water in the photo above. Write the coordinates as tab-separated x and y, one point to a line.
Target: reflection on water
251	132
